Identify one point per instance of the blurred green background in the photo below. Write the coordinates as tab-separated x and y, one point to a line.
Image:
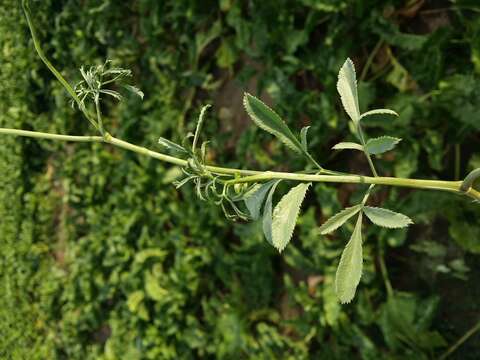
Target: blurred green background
103	259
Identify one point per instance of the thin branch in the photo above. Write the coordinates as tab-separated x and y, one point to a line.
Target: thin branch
49	136
460	341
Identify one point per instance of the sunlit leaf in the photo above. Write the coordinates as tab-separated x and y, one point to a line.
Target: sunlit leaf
153	288
349	269
285	215
386	218
134	299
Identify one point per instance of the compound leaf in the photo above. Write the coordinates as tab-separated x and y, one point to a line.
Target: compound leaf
381	144
285	215
267	214
386	218
347	145
349	269
255	197
339	219
378	112
268	120
347	88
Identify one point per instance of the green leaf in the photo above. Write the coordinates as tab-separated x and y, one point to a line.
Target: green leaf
134	300
268	120
170	145
303	137
347	88
378	112
339	219
153	288
135	90
267	214
255	197
349	269
347	145
201	119
112	93
143	255
285	215
381	144
386	218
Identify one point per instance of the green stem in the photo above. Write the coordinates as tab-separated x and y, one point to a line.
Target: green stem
370	60
364	145
367	194
383	269
460	341
41	54
249	176
321	169
48	136
99	115
470	179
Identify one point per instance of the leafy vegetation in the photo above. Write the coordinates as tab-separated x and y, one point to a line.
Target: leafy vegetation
132	259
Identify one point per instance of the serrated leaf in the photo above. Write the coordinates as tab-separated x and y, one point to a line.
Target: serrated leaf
268	120
267	214
378	112
347	88
201	119
338	219
347	145
255	197
170	145
285	215
386	218
381	144
349	269
303	137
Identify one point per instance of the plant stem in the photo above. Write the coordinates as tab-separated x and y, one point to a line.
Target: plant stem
41	54
364	145
460	341
250	176
48	136
370	60
383	268
321	169
99	115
